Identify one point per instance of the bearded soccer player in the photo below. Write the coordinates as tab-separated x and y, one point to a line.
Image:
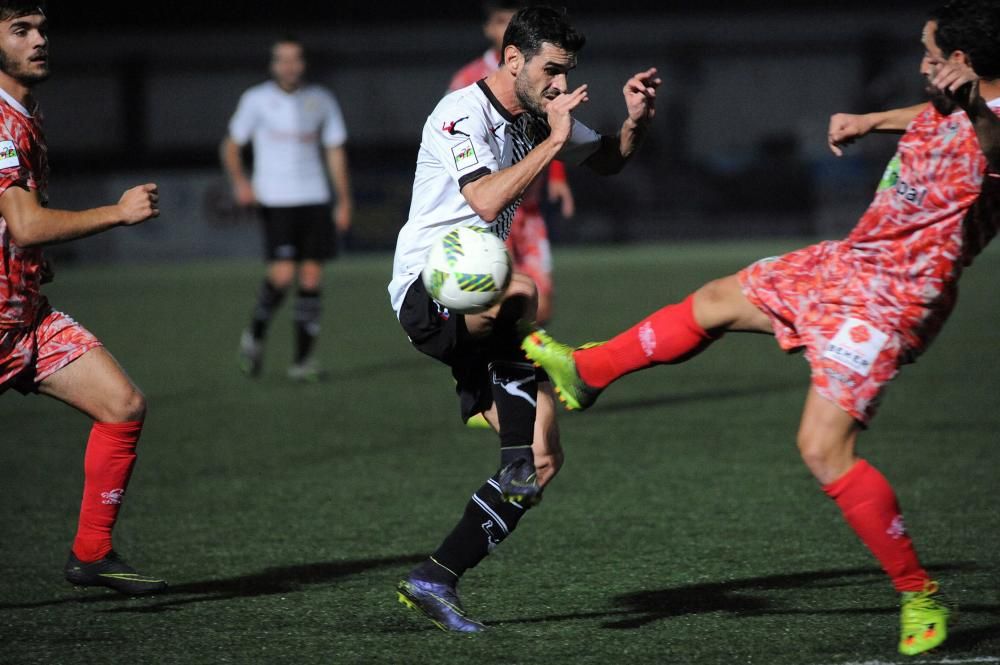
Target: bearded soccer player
482	146
528	242
860	307
43	350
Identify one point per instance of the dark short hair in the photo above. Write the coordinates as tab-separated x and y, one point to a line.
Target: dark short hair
971	26
17	8
288	39
533	26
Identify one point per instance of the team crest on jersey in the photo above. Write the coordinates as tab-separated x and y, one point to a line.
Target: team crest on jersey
8	155
856	346
465	155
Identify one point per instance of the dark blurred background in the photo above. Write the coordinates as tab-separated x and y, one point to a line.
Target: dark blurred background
739	147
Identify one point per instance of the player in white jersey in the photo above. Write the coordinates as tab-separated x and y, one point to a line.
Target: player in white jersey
481	148
294	127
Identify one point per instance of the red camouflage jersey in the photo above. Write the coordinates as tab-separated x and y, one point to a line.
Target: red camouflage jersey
23	163
930	218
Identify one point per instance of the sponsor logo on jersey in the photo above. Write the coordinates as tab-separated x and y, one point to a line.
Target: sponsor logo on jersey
451	127
891	175
8	155
856	346
911	193
465	155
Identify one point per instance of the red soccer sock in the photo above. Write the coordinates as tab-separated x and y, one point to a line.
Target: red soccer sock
107	466
870	507
670	335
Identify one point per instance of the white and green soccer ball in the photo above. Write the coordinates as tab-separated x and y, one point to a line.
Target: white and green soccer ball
467	270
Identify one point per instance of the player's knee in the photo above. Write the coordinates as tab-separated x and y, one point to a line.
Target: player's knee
127	407
818	452
520	299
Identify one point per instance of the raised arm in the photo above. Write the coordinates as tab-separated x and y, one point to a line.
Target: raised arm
30	224
640	101
846	128
489	195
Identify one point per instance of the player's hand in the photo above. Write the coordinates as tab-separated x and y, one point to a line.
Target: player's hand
958	81
139	204
845	129
640	95
559	190
558	112
243	193
342	216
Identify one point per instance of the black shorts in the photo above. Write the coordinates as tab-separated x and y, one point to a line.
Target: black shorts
299	233
442	335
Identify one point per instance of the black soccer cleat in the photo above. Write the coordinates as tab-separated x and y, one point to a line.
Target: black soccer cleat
114	573
519	483
439	603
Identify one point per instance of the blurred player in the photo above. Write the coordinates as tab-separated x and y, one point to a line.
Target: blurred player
294	127
482	146
43	350
860	307
528	241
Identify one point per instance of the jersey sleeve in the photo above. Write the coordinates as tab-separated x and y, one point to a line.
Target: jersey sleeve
583	142
457	136
334	129
244	120
14	171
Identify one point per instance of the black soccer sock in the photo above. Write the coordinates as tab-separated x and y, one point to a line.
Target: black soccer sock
269	298
515	393
487	521
308	309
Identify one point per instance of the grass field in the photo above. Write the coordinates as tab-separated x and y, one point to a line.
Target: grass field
683	529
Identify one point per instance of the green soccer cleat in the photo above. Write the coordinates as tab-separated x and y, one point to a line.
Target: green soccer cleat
924	620
478	421
557	361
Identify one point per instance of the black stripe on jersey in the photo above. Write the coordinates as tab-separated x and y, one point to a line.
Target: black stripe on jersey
494	101
472	177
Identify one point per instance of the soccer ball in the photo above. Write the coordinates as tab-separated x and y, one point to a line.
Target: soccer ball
467	270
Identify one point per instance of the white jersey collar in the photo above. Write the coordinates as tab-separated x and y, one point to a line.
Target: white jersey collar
13	102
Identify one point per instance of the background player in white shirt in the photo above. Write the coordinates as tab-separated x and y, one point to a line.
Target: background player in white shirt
482	146
294	127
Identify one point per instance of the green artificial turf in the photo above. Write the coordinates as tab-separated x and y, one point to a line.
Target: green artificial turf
683	528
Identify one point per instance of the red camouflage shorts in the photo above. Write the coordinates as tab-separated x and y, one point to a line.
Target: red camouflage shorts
29	355
855	341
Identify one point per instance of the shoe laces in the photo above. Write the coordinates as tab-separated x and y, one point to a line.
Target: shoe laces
918	604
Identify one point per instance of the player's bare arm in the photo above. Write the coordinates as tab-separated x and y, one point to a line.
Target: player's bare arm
32	224
640	102
232	162
489	195
846	128
340	178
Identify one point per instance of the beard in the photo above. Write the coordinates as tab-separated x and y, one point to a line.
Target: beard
20	73
527	98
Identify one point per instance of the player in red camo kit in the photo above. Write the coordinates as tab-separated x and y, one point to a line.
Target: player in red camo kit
41	349
860	307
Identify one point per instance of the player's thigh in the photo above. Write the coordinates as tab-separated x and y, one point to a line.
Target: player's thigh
96	384
721	305
546	445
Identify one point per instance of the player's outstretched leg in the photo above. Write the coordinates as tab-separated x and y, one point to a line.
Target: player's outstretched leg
670	335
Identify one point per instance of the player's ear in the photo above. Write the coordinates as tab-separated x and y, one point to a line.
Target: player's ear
513	59
960	57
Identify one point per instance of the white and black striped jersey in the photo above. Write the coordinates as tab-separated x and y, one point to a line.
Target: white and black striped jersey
468	135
